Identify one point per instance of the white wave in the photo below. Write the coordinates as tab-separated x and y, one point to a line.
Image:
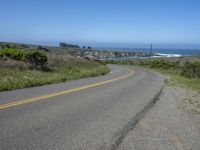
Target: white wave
167	55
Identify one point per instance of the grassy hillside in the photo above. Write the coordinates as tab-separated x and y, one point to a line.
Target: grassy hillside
22	68
54	49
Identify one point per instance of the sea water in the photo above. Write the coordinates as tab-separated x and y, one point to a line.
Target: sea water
162	52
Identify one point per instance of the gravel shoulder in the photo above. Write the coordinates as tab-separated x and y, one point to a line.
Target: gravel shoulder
173	123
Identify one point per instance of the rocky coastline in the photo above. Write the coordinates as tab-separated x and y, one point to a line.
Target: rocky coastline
96	54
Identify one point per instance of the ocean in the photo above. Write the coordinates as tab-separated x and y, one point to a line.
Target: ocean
160	51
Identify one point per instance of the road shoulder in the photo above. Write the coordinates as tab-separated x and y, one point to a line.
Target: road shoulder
173	123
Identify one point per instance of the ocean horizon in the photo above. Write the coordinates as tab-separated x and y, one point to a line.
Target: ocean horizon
161	51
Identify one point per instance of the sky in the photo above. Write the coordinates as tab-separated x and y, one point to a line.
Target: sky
112	23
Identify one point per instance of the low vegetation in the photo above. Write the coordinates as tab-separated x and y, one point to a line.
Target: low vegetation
180	71
21	68
34	59
63	48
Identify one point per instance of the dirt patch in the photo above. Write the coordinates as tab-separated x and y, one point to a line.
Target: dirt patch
188	99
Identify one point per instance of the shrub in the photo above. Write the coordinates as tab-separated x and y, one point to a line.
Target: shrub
162	64
191	69
36	59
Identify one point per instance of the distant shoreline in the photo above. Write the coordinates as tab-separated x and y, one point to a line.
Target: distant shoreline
109	53
161	51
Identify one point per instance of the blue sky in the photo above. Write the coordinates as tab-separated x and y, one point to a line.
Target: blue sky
119	23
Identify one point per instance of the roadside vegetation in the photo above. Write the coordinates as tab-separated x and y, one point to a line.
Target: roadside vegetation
180	71
63	48
28	68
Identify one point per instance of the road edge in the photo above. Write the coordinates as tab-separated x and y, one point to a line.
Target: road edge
135	120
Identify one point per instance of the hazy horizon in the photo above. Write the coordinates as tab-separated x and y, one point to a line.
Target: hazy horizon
114	45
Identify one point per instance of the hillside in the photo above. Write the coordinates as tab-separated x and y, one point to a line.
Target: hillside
23	65
54	49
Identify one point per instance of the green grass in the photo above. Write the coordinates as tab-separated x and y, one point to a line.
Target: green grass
14	79
177	80
15	74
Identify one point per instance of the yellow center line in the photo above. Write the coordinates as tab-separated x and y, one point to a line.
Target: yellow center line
44	97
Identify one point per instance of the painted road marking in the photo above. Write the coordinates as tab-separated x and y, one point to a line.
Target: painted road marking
44	97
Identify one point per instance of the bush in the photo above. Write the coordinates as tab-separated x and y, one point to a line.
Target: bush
191	69
34	58
163	64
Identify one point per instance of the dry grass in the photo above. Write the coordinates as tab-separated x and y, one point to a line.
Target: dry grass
16	74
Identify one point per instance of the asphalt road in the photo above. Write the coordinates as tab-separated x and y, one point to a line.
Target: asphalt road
84	114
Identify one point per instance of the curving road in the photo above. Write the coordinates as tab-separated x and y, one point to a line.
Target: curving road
89	114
